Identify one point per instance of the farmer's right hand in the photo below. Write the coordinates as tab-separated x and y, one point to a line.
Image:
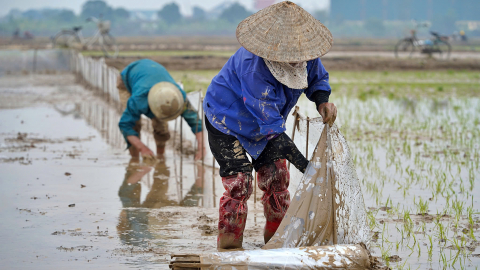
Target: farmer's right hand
146	152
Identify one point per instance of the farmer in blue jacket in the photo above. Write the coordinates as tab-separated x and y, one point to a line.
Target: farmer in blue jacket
248	102
145	87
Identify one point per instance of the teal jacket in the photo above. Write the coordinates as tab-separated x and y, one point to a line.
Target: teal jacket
139	77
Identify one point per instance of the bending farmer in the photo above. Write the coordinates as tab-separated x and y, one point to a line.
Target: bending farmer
145	87
248	102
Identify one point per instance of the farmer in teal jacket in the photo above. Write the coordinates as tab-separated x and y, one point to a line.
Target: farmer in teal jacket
145	87
247	105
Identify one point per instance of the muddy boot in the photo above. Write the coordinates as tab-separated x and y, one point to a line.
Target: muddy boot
233	210
273	179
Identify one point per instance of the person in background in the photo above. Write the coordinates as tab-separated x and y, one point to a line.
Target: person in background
463	37
145	87
247	105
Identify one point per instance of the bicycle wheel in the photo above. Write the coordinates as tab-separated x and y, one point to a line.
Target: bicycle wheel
67	40
404	48
109	46
441	50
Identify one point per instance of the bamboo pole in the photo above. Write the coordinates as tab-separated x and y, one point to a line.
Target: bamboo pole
181	158
295	124
308	132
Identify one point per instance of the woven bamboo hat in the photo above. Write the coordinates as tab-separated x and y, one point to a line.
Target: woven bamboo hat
284	32
165	101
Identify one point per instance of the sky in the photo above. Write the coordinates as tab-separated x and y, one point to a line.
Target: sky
185	5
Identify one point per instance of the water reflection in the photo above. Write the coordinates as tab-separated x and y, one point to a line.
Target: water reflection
194	197
142	190
104	118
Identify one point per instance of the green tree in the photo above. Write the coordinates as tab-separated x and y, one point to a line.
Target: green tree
198	14
65	15
95	8
170	13
235	13
121	13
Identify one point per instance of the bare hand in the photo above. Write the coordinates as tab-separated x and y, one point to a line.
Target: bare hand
146	153
328	111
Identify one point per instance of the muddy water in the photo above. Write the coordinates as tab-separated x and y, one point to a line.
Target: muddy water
72	198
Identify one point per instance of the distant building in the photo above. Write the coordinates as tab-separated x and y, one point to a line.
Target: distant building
143	15
404	10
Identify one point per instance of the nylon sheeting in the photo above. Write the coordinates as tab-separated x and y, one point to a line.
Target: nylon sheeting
327	207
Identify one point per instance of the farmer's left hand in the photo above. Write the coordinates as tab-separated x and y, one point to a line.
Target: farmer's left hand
328	111
200	146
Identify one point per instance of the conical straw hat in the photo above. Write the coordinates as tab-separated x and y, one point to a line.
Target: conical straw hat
165	101
284	32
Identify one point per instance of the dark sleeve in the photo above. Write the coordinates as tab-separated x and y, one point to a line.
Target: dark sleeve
290	151
136	106
318	82
320	97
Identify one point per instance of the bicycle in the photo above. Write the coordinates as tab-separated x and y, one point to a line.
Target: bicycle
437	45
73	38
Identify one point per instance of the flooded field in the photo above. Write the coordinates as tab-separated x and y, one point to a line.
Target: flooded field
415	137
72	198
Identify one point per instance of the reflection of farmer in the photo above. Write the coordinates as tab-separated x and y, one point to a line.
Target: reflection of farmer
133	223
248	102
147	88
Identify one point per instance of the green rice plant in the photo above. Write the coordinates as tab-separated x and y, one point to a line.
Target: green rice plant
471	222
458	207
442	235
430	248
372	222
456	257
422	206
407	222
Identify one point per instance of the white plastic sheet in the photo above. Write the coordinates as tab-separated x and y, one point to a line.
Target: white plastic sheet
325	257
328	206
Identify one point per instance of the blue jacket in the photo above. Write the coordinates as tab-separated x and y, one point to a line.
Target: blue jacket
246	101
139	77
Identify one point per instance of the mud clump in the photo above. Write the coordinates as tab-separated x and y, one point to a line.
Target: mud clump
205	219
208	230
394	258
167	214
377	264
205	226
79	248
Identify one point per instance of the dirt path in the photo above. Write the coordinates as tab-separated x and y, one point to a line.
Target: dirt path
333	61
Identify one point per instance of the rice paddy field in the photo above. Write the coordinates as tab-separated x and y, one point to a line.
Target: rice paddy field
416	143
412	125
415	139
